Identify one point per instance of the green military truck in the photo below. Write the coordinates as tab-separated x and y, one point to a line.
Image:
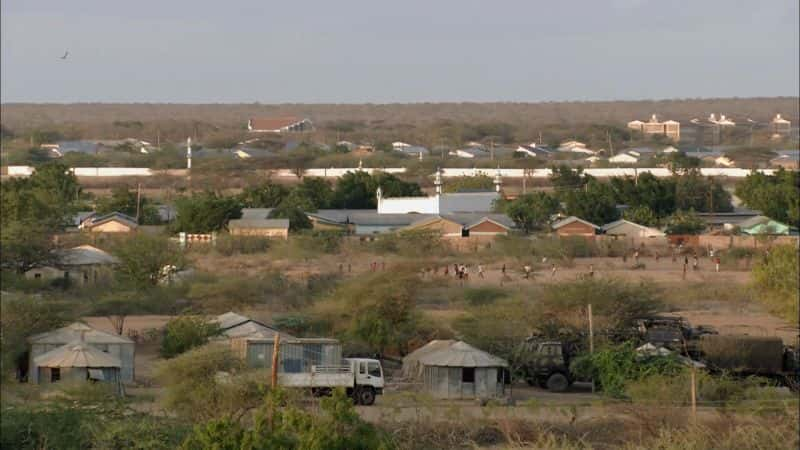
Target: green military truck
745	355
545	363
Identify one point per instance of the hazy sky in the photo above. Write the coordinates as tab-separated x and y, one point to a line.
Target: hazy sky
347	51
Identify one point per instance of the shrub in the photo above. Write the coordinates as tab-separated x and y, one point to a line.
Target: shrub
616	366
281	424
483	295
184	333
775	278
206	383
228	245
316	241
47	427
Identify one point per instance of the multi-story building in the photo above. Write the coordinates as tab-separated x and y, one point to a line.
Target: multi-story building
780	126
668	128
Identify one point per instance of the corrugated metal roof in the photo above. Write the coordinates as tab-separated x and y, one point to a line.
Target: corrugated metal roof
571	219
467	202
256	213
74	331
85	255
76	354
258	223
461	354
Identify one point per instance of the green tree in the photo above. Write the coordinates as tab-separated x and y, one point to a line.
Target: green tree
463	184
24	246
379	312
642	215
207	383
564	178
684	222
21	317
694	191
357	190
311	194
205	212
656	194
46	198
124	200
298	220
143	259
264	195
775	278
184	333
595	203
532	211
777	196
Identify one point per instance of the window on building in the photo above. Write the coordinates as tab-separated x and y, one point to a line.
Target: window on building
55	374
37	276
464	232
468	375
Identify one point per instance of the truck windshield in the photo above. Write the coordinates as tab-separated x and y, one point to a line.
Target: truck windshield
375	369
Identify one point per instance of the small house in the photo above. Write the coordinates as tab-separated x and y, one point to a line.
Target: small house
574	226
629	229
278	125
761	225
623	158
77	361
459	371
84	265
119	347
115	222
233	326
277	228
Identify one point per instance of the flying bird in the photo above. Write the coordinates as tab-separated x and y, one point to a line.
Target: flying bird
66	53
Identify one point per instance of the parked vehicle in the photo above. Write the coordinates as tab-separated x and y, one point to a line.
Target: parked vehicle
545	363
361	378
752	355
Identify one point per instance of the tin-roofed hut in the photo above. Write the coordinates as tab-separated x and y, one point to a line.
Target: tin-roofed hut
461	371
77	361
117	346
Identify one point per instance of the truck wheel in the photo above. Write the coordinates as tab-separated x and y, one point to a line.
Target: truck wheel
365	396
557	382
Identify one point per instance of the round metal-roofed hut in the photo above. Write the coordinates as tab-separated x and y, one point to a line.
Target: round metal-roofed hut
461	371
78	361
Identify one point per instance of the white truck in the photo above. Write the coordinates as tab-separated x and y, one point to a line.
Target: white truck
361	378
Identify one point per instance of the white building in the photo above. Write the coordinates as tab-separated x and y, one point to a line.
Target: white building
668	128
780	126
722	121
441	203
629	229
575	147
623	158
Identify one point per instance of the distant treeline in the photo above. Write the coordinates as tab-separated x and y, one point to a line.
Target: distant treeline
425	123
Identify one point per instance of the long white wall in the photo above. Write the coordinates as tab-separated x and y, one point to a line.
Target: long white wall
24	171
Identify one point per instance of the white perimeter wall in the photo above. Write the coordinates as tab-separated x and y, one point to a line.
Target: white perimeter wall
24	171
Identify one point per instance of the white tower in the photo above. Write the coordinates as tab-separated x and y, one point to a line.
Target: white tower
189	153
498	180
437	181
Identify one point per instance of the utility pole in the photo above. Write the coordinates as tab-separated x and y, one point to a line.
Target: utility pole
591	335
610	145
491	147
540	138
275	349
138	200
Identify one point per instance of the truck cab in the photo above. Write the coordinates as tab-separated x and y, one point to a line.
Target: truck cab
369	381
546	363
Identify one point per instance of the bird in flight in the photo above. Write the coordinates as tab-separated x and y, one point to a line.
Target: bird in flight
66	53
